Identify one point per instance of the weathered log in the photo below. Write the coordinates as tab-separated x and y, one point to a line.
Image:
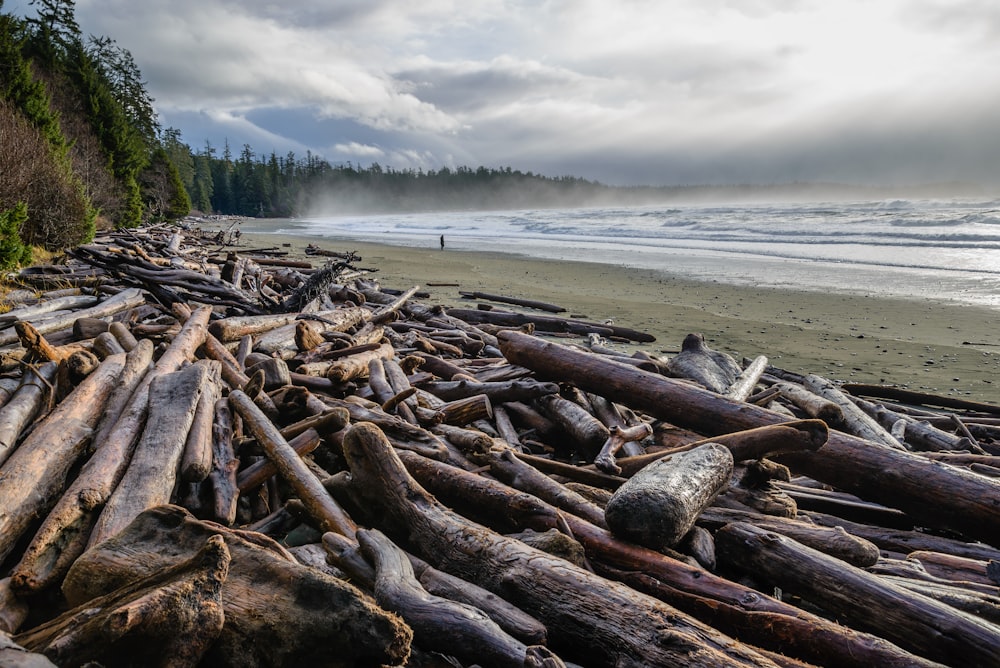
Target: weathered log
712	369
152	471
106	344
222	485
585	430
952	567
25	404
466	411
345	554
586	616
545	323
834	541
124	336
814	405
69	302
400	432
618	437
854	420
175	612
125	299
38	348
860	599
196	462
256	474
520	475
13	609
235	327
742	386
738	610
986	606
919	398
528	303
34	475
356	366
660	503
942	496
498	392
756	443
281	340
438	624
328	515
906	541
277	612
68	526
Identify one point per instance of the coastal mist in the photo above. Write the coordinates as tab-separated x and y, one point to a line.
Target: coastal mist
937	249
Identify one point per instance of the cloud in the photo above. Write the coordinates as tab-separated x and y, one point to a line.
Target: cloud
636	91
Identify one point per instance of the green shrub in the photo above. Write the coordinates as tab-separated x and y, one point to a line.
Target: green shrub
13	251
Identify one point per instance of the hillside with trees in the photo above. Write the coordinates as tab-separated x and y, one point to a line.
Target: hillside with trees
81	143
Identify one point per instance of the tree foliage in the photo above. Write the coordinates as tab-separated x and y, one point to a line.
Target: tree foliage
100	152
13	251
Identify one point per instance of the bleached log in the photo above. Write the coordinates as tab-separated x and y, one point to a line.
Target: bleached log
152	472
126	299
854	420
25	404
742	386
660	503
33	477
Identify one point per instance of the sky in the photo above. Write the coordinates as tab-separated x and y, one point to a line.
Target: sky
626	92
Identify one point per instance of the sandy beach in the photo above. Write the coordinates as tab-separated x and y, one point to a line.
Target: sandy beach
938	347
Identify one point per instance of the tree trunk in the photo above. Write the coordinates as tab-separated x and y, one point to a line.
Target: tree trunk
24	405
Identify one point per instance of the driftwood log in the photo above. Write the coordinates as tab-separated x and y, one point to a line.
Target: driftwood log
659	504
588	618
943	496
265	622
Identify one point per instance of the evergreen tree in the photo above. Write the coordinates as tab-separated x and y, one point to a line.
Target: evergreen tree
13	251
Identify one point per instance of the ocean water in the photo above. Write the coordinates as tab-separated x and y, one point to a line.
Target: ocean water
931	249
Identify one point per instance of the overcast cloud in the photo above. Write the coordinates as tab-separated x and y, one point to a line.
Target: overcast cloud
624	91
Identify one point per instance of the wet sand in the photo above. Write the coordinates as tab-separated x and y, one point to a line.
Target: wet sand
939	347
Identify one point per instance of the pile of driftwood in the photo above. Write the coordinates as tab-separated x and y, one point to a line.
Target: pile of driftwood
210	457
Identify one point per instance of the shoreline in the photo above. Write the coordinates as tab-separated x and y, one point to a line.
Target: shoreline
938	347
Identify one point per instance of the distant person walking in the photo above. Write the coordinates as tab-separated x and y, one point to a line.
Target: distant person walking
442	242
